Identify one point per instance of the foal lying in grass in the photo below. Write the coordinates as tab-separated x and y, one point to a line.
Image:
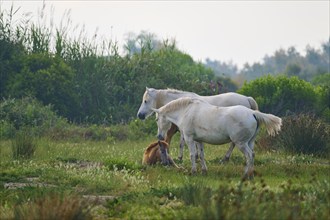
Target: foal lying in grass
153	154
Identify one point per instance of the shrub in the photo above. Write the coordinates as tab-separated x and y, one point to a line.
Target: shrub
27	112
281	95
23	145
305	134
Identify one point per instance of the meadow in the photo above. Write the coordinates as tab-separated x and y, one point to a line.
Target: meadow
84	179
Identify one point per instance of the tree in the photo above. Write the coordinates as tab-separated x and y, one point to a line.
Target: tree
48	79
222	68
292	69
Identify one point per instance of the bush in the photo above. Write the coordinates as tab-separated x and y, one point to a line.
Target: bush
281	95
27	112
23	145
305	134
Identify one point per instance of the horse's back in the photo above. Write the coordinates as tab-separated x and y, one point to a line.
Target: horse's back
228	99
221	124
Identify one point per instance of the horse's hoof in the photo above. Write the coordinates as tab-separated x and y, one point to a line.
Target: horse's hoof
247	177
193	172
224	160
204	172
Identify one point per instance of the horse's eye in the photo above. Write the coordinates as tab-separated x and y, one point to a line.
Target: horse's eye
145	101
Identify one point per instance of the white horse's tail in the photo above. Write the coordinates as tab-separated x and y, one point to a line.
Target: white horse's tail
273	123
253	103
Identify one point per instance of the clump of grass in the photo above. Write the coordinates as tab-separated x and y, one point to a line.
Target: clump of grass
54	207
24	144
195	194
300	134
120	164
305	134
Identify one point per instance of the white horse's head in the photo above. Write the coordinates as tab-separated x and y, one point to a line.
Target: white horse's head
163	124
148	102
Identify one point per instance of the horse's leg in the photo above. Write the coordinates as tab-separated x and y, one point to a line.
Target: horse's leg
200	146
251	146
225	159
170	134
248	172
182	142
251	142
192	150
197	149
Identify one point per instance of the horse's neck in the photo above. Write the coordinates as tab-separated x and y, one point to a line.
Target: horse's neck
164	96
174	117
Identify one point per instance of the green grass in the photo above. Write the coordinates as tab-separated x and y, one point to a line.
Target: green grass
285	187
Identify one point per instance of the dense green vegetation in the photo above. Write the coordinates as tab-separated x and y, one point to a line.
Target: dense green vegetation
84	82
88	80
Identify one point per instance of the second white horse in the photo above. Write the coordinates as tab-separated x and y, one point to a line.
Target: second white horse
205	123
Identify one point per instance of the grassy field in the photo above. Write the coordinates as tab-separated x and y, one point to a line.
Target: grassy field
105	180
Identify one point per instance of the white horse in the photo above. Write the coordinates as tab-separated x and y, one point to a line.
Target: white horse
154	98
201	122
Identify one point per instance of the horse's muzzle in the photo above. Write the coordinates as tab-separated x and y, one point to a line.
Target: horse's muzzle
160	137
141	116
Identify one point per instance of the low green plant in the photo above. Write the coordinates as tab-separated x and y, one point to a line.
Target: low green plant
121	163
24	144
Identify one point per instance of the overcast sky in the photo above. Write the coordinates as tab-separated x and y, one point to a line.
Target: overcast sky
241	31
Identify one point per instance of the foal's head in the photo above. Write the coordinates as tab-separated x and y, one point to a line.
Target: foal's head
156	152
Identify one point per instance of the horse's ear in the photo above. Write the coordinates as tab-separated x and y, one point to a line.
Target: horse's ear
150	90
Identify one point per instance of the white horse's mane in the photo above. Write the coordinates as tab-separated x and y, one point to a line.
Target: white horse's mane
177	104
163	93
176	91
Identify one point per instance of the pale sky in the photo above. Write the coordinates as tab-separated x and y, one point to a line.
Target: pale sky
241	31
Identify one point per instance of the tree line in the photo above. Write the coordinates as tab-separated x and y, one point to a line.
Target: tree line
288	61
